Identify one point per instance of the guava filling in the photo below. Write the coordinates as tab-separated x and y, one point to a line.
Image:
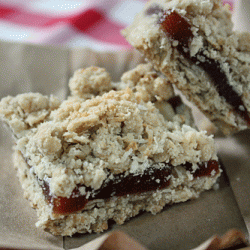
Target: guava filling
124	184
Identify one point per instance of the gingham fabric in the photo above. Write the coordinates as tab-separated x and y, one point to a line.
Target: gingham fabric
74	23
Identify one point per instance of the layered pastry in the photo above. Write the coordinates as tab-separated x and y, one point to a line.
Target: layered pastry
193	44
105	154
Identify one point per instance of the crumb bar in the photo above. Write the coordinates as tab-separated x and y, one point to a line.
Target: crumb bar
193	44
106	154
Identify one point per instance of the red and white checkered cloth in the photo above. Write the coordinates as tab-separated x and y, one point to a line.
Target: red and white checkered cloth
73	23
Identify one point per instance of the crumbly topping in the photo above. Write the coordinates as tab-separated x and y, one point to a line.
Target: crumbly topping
146	82
143	80
84	141
213	34
208	17
26	111
90	82
148	85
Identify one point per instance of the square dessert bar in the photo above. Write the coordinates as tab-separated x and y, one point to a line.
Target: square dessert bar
193	44
107	153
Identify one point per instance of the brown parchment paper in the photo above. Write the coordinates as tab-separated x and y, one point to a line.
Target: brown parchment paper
25	68
235	154
30	68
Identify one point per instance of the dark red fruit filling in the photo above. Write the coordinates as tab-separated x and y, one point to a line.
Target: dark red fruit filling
63	205
120	185
179	29
204	170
